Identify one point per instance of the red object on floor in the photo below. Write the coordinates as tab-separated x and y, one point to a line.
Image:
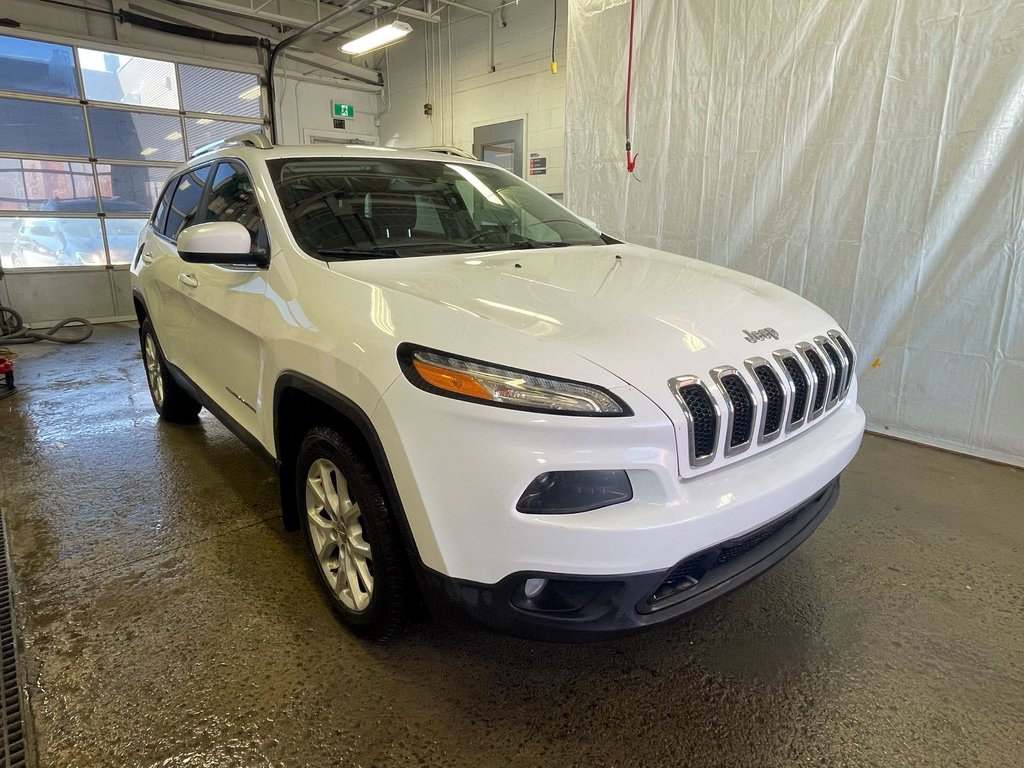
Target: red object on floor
7	369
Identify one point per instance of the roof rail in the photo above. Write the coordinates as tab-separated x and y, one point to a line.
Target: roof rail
449	151
258	140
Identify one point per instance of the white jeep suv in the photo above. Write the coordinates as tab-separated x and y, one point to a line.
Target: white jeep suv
474	398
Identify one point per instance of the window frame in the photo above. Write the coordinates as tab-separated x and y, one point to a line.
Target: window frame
239	165
199	204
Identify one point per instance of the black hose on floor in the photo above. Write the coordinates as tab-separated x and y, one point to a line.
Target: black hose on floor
13	330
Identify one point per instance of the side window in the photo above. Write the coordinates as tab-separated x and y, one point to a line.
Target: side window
232	198
185	201
160	215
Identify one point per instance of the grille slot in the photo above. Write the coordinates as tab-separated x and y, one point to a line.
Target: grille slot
840	369
703	420
742	422
800	389
847	351
775	400
820	380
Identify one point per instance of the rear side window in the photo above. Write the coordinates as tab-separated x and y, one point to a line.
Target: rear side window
188	193
160	215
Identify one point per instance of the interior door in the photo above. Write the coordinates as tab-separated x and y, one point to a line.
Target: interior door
226	302
501	144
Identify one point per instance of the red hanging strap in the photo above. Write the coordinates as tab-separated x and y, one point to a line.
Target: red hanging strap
630	157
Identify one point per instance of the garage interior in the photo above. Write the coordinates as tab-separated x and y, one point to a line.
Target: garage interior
866	154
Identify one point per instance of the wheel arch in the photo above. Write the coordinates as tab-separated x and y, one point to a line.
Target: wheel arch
141	312
301	403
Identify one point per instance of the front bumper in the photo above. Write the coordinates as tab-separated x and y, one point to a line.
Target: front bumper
577	608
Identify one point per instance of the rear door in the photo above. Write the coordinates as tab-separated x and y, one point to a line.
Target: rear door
223	303
160	265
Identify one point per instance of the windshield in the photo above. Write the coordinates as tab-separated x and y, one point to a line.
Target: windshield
349	208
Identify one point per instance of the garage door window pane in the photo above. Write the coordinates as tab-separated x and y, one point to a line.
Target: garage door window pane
56	242
135	135
33	67
31	127
203	131
123	238
34	185
130	188
219	91
128	79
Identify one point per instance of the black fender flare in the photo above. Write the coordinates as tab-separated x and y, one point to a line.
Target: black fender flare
357	417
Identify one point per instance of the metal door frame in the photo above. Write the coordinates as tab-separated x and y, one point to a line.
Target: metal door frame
513	130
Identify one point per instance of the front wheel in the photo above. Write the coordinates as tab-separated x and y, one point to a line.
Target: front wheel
351	535
171	401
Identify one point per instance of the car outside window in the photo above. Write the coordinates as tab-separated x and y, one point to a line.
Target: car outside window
341	208
188	192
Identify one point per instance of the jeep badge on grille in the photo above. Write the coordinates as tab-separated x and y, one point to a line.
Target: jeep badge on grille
762	334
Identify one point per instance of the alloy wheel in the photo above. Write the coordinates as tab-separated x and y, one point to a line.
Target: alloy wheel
153	376
336	535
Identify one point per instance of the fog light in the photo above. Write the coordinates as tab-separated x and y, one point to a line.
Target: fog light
563	493
533	587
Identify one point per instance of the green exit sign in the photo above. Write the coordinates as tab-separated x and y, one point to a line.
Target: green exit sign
343	110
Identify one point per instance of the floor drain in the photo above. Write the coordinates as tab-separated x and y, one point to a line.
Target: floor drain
12	734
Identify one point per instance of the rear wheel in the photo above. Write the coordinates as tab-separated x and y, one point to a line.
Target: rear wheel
171	401
351	535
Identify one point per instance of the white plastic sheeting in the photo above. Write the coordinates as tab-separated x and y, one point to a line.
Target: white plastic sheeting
867	154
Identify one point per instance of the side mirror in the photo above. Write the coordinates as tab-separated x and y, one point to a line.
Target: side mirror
219	242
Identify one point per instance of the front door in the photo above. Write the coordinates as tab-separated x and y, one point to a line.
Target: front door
225	304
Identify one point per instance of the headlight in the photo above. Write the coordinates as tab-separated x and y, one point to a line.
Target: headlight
465	379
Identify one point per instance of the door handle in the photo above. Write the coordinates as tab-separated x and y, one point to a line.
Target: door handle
187	278
147	257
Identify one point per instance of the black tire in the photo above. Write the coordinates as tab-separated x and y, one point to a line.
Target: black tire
172	402
386	610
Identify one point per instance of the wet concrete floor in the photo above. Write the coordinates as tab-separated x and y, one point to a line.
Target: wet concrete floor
169	620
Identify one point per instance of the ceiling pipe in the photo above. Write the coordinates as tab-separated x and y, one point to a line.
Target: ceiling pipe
262	14
478	12
312	29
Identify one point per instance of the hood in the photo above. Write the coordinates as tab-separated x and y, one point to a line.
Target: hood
644	315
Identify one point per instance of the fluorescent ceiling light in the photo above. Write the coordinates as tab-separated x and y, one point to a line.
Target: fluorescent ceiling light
173	136
204	121
148	151
377	39
250	94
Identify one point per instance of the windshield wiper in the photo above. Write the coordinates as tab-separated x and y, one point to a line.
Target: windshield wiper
520	245
351	254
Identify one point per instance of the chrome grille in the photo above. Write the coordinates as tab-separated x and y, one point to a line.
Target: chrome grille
701	418
820	378
850	360
773	400
801	385
765	398
740	407
837	366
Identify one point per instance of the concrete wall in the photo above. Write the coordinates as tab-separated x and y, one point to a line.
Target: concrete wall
305	113
448	65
